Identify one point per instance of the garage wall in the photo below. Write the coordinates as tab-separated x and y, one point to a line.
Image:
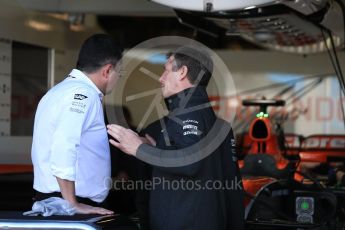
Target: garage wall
34	28
319	109
322	105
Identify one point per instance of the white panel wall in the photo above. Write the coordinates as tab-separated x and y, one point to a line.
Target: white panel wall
5	86
252	69
19	24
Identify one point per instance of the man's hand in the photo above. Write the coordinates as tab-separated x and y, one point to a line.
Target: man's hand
67	189
87	209
126	140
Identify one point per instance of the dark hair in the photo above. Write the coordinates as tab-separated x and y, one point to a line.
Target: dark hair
198	62
97	51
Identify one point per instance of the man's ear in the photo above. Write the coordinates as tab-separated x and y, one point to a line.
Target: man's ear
106	70
183	72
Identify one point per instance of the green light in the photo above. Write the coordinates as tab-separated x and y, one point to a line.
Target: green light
261	115
305	205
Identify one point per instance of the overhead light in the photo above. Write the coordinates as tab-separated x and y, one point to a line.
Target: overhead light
63	17
263	35
217	5
250	7
40	26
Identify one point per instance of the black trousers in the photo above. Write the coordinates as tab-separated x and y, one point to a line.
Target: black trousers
41	196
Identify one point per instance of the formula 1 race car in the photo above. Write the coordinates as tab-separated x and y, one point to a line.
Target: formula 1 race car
282	189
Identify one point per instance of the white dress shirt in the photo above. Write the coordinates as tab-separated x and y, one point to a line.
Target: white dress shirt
70	139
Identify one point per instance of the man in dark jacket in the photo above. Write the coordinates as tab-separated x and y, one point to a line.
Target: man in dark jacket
195	178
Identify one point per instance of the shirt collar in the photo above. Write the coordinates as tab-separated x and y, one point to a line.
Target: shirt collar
75	73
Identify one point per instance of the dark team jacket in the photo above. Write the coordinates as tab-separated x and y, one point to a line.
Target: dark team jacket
206	194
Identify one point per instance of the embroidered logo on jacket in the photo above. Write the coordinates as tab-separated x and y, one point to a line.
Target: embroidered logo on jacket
190	127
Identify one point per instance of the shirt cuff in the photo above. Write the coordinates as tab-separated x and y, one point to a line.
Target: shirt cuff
63	173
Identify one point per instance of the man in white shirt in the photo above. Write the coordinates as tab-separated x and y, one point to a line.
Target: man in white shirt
70	149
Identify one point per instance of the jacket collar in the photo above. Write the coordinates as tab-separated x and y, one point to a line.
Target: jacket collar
189	97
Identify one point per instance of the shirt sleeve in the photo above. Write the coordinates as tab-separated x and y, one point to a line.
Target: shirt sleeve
75	109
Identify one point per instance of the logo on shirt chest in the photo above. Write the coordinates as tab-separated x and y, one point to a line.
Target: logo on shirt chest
79	96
